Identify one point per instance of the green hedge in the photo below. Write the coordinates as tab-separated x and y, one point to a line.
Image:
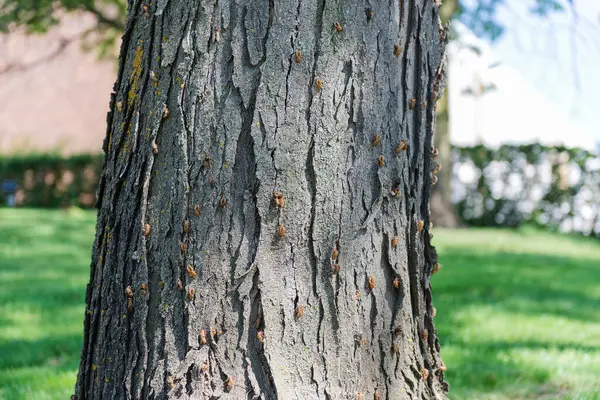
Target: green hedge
556	187
49	180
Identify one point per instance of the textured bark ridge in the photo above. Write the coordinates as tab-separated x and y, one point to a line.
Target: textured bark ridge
263	231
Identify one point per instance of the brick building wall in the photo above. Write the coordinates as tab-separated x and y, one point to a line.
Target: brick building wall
53	100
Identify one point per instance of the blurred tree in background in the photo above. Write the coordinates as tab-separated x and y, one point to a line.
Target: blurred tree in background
480	17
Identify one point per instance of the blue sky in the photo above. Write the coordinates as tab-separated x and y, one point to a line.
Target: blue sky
559	55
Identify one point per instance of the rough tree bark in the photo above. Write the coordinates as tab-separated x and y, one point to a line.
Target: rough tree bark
261	231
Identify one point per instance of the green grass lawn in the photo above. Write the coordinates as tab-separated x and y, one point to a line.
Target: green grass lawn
518	312
44	268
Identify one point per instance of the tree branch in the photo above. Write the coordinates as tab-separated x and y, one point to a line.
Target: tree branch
62	45
103	19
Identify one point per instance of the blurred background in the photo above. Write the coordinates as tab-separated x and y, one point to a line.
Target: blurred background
516	207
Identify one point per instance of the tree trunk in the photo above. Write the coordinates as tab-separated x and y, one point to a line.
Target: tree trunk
443	211
261	233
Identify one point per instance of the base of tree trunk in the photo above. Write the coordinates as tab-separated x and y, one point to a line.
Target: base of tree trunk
443	213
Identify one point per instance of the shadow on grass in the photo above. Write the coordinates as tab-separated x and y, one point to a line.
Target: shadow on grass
533	284
512	325
44	268
501	314
47	351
